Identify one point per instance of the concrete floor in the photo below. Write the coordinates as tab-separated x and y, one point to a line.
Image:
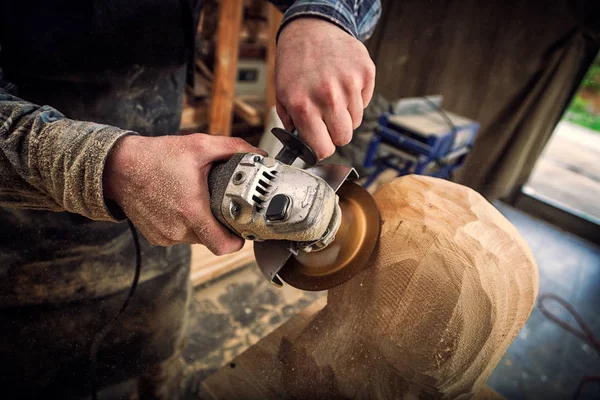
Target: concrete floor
568	170
543	362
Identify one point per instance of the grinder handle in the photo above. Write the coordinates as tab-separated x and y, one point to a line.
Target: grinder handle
218	178
293	147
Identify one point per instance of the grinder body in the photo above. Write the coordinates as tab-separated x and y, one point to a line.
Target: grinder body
260	198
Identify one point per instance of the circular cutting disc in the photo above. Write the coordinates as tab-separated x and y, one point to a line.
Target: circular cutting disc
348	254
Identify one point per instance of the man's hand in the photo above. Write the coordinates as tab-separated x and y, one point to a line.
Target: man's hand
324	79
161	185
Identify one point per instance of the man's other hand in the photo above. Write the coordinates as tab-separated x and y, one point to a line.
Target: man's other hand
324	79
161	185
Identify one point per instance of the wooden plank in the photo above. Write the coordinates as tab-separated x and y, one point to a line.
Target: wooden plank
228	36
206	266
274	17
256	373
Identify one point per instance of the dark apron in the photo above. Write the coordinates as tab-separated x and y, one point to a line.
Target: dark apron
63	276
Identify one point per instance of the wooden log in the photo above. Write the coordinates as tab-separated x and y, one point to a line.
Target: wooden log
228	36
448	288
238	379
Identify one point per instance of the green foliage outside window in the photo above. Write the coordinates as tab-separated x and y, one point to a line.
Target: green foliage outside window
584	109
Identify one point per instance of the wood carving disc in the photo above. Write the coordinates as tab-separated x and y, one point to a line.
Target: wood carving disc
348	254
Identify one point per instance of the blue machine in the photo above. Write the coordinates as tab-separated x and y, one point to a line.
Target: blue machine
419	138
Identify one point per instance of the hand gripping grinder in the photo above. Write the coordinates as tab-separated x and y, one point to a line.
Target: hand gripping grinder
312	228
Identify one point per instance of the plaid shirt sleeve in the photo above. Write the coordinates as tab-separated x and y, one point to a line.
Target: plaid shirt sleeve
357	17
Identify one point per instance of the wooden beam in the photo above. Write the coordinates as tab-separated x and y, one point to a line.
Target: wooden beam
274	16
228	37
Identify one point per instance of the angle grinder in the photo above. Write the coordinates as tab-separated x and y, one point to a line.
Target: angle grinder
313	228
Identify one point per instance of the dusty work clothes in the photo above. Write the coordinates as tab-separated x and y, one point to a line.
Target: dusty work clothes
66	261
64	276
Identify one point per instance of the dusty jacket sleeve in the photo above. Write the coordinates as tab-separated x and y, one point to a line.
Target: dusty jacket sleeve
49	162
357	17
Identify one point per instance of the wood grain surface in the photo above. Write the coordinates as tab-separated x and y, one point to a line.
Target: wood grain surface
449	287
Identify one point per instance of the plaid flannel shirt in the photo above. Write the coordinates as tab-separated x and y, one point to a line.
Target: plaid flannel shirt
357	17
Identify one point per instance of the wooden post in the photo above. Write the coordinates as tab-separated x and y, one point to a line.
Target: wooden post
228	37
275	16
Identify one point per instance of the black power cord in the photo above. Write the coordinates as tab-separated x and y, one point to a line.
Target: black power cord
100	336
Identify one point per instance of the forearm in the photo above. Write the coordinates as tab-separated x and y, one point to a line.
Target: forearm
50	162
357	17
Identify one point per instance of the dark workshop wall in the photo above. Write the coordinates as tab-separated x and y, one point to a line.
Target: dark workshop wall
485	57
474	52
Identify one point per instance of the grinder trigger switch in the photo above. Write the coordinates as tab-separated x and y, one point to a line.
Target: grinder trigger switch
278	207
